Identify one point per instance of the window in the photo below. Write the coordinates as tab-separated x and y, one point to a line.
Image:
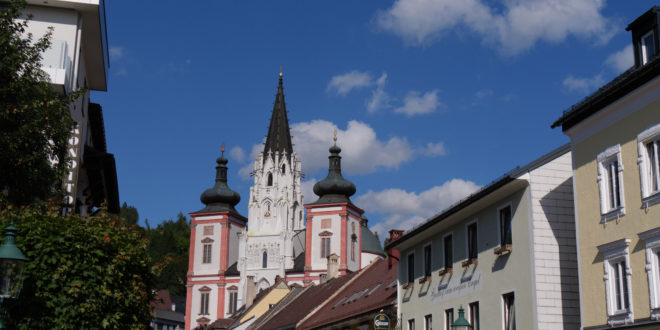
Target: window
427	260
269	179
428	322
325	247
617	281
283	168
204	304
505	226
233	300
474	315
411	267
648	47
652	240
264	260
472	241
449	254
610	181
649	164
411	324
206	256
449	318
509	310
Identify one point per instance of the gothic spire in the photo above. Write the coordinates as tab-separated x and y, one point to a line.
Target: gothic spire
279	135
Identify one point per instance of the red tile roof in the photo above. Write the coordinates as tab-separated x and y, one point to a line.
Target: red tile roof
306	302
162	300
370	291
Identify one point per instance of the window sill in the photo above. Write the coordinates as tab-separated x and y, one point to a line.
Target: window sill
445	271
467	263
613	214
503	249
424	279
408	285
620	318
652	199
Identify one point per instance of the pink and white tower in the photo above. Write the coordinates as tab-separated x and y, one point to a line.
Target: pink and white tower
212	288
333	224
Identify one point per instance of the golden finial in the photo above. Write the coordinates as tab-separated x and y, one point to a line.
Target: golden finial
222	148
280	71
334	138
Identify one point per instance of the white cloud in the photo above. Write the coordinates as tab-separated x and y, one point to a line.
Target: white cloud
379	98
404	210
417	104
433	149
583	85
480	95
116	53
362	151
512	29
237	154
621	60
344	83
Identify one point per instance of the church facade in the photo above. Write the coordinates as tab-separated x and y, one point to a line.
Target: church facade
232	258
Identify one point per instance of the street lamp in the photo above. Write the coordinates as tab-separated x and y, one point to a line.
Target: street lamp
12	262
461	323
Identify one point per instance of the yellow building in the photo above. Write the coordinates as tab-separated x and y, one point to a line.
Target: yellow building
615	139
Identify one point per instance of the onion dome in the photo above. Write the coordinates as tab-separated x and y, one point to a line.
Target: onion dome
220	197
334	188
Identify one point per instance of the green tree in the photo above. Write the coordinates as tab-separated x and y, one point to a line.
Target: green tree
129	214
83	273
168	246
35	123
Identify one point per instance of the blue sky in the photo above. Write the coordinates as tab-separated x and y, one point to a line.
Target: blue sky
431	99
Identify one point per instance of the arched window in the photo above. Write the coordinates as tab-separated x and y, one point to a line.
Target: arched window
270	179
264	261
283	168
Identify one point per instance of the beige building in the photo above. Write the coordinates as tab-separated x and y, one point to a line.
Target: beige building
505	254
615	139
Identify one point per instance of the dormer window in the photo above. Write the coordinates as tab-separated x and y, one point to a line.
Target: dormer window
647	47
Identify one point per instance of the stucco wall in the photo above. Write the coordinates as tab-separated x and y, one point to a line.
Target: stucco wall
637	219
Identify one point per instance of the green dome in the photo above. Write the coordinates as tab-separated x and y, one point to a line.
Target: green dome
370	242
220	197
334	188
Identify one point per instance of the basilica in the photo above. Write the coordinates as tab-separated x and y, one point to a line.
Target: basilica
232	258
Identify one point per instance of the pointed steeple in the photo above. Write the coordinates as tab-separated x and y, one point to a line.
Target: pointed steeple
279	134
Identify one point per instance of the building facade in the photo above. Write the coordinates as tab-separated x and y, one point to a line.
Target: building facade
505	254
78	59
615	139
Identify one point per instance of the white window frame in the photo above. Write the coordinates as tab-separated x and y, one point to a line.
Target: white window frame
605	158
207	253
467	238
471	317
652	239
499	229
411	324
428	318
614	253
410	280
644	46
649	197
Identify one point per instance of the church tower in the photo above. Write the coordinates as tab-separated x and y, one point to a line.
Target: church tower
275	212
333	224
211	287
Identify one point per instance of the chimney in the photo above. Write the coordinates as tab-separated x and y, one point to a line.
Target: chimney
393	254
323	278
333	266
250	291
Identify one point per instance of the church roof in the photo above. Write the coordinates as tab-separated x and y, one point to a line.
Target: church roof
370	242
334	188
219	197
279	134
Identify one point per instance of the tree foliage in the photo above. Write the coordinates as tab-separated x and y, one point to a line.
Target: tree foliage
168	246
129	214
83	273
35	123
